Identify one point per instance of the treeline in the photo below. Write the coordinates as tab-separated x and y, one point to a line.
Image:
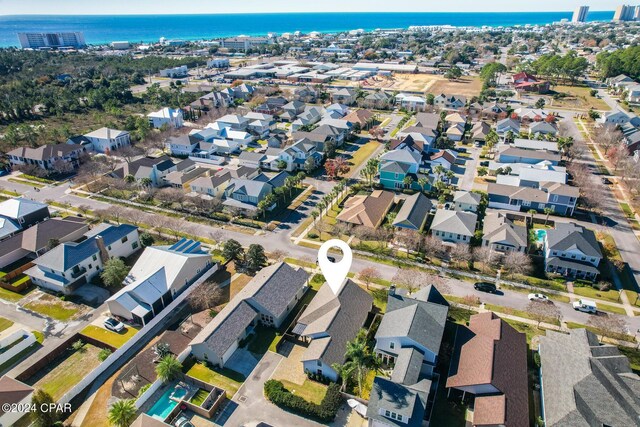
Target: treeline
40	84
623	61
569	67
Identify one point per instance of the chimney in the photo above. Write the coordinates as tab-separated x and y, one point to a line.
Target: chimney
392	290
104	255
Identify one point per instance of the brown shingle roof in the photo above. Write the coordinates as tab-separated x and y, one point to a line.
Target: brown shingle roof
12	391
490	351
367	210
359	116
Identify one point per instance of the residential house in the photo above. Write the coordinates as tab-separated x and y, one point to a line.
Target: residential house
215	184
182	178
586	383
525	82
454	226
534	144
260	124
396	166
169	117
328	323
503	234
466	201
411	102
309	117
479	131
363	118
267	299
16	399
504	126
305	94
409	339
572	250
20	213
233	121
271	106
525	175
456	118
378	100
455	132
154	169
415	138
560	198
157	278
367	210
633	94
542	128
427	120
292	110
36	240
322	135
70	265
59	158
614	117
510	154
489	361
245	193
444	158
494	109
414	212
449	102
295	156
251	159
618	81
106	140
346	96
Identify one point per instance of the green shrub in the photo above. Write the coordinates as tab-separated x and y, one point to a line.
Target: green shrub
104	353
325	412
313	235
536	359
143	389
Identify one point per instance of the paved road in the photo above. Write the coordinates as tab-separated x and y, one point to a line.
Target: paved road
471	164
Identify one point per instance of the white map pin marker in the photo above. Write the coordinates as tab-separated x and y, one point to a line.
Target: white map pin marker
335	272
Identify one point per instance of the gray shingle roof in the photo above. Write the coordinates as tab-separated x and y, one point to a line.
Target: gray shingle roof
454	222
408	401
408	366
413	212
277	284
567	236
498	228
586	383
228	332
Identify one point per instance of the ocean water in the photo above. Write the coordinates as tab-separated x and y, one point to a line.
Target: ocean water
149	28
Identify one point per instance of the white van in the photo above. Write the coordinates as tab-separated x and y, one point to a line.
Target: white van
586	306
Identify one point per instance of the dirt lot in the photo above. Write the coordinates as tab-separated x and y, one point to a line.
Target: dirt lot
436	84
579	98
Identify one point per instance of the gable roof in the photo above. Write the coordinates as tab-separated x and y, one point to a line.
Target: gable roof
12	391
570	236
19	207
45	152
414	212
454	222
467	197
490	351
367	210
498	228
408	401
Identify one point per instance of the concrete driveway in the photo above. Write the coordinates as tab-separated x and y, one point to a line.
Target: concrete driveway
242	361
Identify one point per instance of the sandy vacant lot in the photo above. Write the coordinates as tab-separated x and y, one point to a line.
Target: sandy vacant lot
436	84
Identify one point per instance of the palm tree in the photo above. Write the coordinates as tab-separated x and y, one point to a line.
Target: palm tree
407	181
345	372
547	211
146	182
122	413
168	368
359	354
423	182
129	179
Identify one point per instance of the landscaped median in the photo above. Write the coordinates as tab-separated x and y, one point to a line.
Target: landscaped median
113	339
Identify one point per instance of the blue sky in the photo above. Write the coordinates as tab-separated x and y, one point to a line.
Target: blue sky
91	7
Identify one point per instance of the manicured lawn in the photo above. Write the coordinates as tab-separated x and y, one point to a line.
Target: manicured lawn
69	372
5	323
625	337
363	153
310	391
379	298
52	307
612	309
114	339
317	281
518	313
589	292
226	379
199	397
300	262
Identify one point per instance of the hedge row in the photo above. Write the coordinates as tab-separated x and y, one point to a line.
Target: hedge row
326	411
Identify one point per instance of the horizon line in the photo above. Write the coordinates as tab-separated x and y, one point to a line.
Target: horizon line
291	12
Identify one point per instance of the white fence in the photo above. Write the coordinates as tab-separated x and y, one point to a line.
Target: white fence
28	340
86	381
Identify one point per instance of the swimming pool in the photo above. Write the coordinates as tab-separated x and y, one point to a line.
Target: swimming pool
163	406
540	235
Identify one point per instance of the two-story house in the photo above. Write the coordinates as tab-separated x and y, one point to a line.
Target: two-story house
449	102
560	198
454	226
19	214
572	250
151	168
169	117
52	157
106	140
70	265
397	167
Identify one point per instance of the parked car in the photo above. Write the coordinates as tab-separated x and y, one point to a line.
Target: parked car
461	150
586	306
183	422
485	287
330	258
485	163
113	325
539	298
606	181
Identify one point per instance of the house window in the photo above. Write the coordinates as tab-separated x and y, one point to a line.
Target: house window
134	245
319	363
124	239
392	345
95	258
